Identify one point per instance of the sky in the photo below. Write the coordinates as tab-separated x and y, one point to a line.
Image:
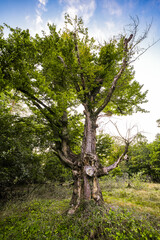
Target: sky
104	19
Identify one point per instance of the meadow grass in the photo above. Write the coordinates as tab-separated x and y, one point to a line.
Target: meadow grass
129	213
142	197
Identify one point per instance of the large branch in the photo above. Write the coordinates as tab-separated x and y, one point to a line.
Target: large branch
36	102
63	156
64	159
79	61
111	90
63	149
116	78
32	97
105	170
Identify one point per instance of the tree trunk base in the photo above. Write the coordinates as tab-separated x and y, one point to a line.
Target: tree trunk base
86	193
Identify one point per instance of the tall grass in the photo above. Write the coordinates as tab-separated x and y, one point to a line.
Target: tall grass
142	197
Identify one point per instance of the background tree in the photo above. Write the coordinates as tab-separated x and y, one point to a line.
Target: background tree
56	73
155	159
19	163
139	157
144	159
26	154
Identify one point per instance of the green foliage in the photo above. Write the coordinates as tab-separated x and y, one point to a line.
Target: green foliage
26	154
48	71
23	158
144	157
115	153
53	75
104	147
75	131
108	152
54	170
19	163
139	158
47	219
155	159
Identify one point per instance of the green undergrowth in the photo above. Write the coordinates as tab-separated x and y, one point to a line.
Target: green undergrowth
144	198
122	217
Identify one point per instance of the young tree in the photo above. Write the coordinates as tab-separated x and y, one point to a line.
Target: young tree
56	73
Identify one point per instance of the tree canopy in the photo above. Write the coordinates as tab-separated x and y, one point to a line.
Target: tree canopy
56	73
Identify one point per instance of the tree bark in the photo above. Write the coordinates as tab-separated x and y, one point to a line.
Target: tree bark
86	185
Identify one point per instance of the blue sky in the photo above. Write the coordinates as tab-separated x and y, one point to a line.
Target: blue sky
105	14
104	18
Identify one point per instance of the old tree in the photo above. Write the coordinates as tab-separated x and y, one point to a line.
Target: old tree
56	73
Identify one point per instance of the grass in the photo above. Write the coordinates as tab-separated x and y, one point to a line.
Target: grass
129	213
144	198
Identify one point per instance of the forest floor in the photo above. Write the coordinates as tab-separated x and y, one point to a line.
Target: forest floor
132	211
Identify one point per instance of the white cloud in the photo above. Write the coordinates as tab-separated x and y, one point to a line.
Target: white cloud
37	24
113	29
40	9
27	18
104	31
42	4
110	25
99	33
39	19
81	8
113	8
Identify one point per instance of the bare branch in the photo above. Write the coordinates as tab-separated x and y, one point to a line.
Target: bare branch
144	51
129	137
130	48
141	37
102	171
133	46
62	61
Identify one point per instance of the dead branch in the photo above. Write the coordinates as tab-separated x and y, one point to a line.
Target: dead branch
136	40
102	171
143	51
127	141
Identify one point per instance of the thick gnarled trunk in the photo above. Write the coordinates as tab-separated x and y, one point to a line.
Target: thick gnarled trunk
91	189
86	168
86	184
86	187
